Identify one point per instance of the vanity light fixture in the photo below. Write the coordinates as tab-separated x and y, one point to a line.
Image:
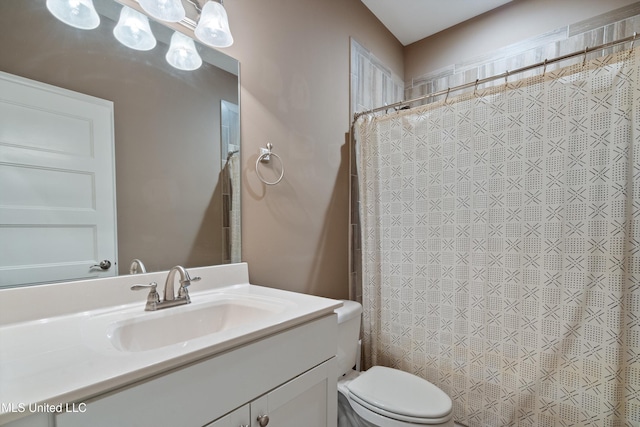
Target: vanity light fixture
213	26
77	13
133	30
164	10
182	53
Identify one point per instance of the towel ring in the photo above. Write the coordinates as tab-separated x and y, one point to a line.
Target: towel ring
265	157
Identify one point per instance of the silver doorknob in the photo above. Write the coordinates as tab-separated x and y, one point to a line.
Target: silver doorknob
263	420
104	265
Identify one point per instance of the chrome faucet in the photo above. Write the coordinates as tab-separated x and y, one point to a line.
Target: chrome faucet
170	299
185	281
137	266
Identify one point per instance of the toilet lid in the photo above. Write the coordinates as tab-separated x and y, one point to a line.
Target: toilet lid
402	393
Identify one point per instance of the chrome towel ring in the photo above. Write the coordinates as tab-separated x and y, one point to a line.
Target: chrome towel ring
265	157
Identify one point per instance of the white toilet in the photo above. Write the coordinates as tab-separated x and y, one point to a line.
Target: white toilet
380	396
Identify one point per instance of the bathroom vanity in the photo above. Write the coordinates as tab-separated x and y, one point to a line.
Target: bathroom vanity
238	355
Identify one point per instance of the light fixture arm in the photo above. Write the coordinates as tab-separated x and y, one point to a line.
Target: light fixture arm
197	7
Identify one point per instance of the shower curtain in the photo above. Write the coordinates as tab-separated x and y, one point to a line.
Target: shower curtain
501	246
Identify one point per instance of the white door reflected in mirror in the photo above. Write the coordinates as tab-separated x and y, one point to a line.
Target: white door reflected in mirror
57	207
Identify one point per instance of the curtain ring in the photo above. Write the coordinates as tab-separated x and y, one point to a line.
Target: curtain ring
506	77
544	70
632	43
476	87
584	59
447	96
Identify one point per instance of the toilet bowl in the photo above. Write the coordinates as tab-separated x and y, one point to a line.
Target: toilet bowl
381	396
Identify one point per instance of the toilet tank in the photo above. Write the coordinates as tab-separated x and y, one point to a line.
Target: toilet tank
348	336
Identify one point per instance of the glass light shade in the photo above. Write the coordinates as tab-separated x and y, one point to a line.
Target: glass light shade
213	27
182	53
77	13
133	30
165	10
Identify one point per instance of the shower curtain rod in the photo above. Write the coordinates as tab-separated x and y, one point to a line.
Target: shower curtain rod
504	75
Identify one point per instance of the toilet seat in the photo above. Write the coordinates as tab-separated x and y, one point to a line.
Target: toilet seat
391	394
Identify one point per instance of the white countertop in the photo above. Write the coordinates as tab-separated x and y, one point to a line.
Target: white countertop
66	358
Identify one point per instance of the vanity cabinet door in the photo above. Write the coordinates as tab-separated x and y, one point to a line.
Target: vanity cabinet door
309	400
238	418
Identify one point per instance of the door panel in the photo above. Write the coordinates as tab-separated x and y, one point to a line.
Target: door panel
57	184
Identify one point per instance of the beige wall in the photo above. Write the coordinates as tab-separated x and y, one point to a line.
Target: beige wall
294	59
511	23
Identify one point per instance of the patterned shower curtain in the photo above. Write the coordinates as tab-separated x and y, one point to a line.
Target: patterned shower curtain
501	246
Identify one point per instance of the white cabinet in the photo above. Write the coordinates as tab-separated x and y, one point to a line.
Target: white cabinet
289	376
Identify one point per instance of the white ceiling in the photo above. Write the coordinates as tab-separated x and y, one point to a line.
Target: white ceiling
413	20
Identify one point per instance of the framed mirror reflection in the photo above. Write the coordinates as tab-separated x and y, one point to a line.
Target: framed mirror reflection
176	144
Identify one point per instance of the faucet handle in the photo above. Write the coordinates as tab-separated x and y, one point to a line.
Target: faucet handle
153	298
152	285
183	291
188	281
186	277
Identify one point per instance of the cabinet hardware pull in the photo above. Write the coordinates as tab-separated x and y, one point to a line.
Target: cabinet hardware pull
263	420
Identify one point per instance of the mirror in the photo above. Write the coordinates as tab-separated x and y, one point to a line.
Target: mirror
176	132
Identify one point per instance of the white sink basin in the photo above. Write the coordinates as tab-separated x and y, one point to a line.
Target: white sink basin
152	330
